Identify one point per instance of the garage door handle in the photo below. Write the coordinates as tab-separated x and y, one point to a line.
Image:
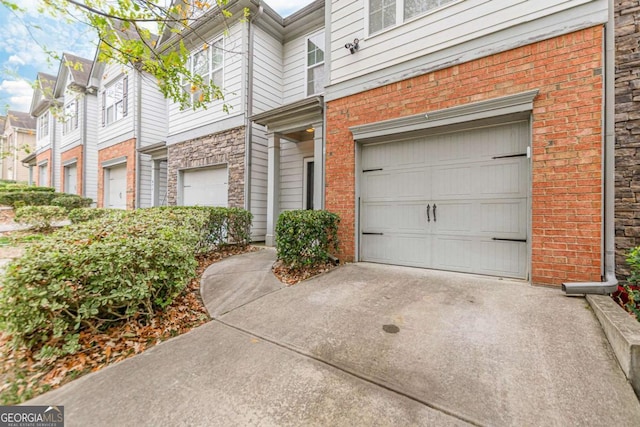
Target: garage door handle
434	213
428	217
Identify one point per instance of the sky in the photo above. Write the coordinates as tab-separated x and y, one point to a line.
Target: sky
26	39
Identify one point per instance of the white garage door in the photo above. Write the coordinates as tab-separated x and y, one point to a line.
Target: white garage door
205	187
116	188
451	201
71	179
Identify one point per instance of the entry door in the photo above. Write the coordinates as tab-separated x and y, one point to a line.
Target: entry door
71	179
453	201
117	187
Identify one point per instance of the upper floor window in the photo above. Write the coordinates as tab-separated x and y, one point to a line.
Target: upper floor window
207	63
114	101
315	64
387	13
70	117
43	125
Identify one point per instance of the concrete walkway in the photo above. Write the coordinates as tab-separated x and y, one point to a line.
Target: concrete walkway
366	344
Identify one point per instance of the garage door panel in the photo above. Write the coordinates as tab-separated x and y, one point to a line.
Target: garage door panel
506	219
205	187
395	184
480	198
402	217
502	258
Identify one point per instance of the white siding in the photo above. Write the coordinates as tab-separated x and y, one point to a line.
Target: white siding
44	142
291	172
267	72
145	198
453	25
122	129
189	120
153	120
259	183
55	157
162	185
73	137
91	149
294	67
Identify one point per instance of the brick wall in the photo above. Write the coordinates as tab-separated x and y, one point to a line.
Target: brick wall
124	149
627	25
223	147
42	157
567	142
74	153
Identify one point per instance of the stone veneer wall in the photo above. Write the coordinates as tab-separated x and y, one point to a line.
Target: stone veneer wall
627	29
211	150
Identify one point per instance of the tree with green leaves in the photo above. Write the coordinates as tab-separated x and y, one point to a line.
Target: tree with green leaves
147	36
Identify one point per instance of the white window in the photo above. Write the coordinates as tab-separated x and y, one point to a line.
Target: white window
315	64
209	64
43	125
114	101
388	13
70	117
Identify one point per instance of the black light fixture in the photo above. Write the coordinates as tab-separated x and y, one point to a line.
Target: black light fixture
353	47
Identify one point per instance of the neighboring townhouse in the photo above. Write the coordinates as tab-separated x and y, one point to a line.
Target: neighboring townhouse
289	76
132	130
468	135
222	158
45	161
78	112
18	141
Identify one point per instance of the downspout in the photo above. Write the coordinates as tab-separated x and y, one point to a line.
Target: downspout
249	110
611	282
84	146
138	135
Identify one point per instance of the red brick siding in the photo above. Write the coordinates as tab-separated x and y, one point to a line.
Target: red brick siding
42	157
76	153
124	149
567	151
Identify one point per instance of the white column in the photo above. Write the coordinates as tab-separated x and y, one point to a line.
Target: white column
273	187
318	166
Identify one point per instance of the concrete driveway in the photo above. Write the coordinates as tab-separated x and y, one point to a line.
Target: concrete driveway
366	344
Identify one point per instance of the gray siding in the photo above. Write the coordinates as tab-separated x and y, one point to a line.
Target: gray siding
123	129
259	183
55	156
292	157
267	72
145	198
91	149
180	121
153	120
162	185
294	67
458	32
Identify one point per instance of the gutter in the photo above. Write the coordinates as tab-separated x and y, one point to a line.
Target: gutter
138	135
610	284
248	132
84	145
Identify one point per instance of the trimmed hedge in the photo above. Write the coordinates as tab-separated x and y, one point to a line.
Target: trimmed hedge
40	217
306	238
71	201
17	199
79	215
104	270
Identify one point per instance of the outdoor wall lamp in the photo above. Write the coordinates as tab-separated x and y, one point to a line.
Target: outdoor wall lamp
353	47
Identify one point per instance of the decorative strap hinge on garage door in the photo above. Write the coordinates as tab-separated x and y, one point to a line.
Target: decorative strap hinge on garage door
371	170
372	234
509	240
510	155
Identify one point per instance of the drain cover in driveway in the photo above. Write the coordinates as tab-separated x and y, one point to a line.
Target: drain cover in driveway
390	329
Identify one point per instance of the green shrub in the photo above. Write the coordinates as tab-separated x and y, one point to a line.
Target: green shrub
93	273
22	187
40	217
306	238
71	201
630	297
26	198
78	215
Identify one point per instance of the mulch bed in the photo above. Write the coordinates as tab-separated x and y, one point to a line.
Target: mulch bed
24	377
290	276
